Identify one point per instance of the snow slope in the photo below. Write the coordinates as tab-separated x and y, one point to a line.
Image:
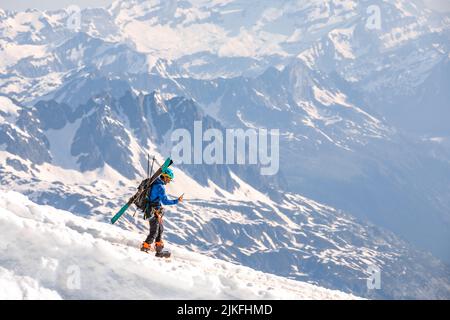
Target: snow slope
47	253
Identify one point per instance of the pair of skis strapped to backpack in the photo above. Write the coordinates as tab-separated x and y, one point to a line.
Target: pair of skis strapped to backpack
142	191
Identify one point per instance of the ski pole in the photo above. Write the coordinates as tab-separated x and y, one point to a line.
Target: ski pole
151	172
148	165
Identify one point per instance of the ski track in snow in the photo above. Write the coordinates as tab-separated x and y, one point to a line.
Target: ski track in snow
47	253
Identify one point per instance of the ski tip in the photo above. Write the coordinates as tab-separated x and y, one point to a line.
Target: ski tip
167	163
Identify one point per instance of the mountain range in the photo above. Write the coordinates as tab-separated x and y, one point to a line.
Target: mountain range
362	114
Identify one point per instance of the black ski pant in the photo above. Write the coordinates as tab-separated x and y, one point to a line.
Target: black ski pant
156	230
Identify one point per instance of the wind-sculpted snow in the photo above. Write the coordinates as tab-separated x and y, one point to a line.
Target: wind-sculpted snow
52	254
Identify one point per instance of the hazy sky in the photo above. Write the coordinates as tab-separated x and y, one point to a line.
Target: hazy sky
18	5
439	5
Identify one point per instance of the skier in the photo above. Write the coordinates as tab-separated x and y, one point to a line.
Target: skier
154	210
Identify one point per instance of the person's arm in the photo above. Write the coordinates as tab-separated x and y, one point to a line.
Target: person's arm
163	197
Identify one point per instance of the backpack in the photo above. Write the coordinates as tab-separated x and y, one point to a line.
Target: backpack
143	202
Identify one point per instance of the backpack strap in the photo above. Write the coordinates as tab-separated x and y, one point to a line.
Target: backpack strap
149	205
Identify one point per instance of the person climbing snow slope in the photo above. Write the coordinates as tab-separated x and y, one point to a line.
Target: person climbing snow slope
154	211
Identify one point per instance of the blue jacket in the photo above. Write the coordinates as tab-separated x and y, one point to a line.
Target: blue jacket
157	194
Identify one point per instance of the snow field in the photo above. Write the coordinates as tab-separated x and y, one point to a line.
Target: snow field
47	253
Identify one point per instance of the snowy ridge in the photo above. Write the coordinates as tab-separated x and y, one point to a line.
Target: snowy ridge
39	244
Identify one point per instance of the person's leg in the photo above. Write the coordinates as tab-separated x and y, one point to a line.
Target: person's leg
154	230
160	232
159	244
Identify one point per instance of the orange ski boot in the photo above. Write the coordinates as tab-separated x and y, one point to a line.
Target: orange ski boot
146	247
